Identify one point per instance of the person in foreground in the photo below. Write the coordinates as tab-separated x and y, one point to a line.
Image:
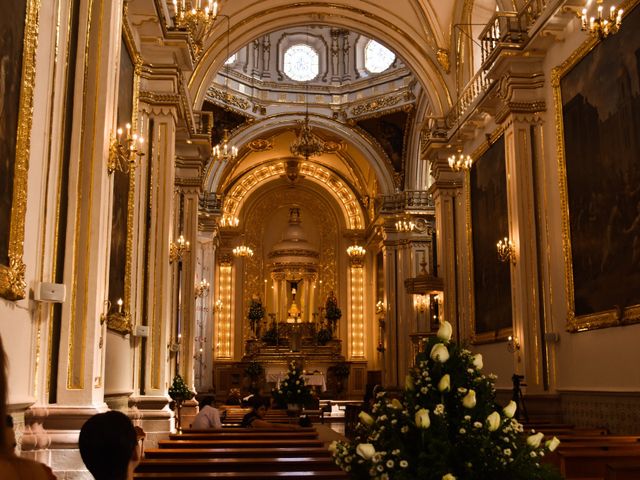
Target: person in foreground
208	416
255	418
13	467
108	446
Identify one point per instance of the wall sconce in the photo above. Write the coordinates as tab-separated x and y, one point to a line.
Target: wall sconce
356	255
506	250
229	221
405	226
201	289
178	248
421	303
218	305
513	344
123	151
120	320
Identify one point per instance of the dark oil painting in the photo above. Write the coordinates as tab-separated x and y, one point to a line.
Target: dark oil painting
601	119
489	223
12	27
119	220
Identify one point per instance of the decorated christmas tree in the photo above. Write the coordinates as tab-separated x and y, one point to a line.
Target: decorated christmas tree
445	426
179	391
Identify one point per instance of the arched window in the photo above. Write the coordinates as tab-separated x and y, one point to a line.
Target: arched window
377	58
301	63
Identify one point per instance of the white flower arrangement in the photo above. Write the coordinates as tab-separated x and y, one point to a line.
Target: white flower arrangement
446	426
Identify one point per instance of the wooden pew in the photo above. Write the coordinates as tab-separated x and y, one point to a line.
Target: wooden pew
592	462
255	434
235	452
298	475
629	470
253	464
266	443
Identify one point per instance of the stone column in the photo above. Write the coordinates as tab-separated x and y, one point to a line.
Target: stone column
80	380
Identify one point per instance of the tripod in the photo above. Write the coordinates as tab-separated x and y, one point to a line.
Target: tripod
518	398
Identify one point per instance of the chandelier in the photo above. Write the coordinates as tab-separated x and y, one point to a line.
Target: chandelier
243	251
506	250
306	143
195	18
598	25
229	221
460	162
405	226
223	151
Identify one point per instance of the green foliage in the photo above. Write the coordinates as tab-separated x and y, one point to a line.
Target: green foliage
293	388
323	336
254	370
439	427
331	310
256	312
179	391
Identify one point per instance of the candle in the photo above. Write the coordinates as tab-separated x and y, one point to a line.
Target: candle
120	303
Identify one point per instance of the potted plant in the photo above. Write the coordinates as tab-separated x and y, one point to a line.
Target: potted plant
179	392
255	315
332	312
341	372
323	336
292	391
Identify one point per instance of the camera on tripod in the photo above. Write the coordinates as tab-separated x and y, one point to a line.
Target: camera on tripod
518	380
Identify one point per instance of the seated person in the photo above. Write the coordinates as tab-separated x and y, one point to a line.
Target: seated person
108	444
255	418
12	467
208	416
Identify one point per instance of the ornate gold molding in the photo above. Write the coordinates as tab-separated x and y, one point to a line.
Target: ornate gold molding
217	95
376	104
119	322
12	276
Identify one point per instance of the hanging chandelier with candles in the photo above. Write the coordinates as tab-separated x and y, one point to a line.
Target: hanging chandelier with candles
460	162
599	25
197	17
224	151
306	143
243	251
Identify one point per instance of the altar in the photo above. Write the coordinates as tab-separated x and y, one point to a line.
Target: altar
316	380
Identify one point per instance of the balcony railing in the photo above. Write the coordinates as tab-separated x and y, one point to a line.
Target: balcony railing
407	201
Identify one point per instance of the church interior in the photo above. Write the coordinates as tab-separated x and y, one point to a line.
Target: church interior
194	187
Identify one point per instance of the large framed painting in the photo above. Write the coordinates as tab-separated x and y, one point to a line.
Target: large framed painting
18	37
119	318
488	221
597	96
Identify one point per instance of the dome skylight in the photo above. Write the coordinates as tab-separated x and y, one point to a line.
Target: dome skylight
301	63
377	58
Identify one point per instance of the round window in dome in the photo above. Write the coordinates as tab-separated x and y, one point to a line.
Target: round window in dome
301	63
377	58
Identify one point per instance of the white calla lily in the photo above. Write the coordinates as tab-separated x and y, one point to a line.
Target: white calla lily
469	400
477	361
493	421
445	331
444	385
422	418
510	410
365	418
448	476
365	450
439	353
552	444
535	439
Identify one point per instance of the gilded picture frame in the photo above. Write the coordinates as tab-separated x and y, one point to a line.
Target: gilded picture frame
489	280
603	259
121	252
18	62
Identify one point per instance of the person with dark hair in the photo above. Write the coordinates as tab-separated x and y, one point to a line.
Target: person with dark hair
208	416
108	444
13	467
255	418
